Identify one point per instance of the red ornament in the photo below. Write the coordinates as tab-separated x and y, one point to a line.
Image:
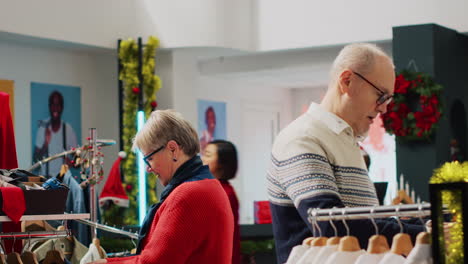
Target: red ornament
154	104
129	187
136	90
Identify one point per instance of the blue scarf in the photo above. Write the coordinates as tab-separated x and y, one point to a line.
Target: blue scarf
191	170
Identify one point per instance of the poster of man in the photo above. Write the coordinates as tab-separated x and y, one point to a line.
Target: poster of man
56	123
211	121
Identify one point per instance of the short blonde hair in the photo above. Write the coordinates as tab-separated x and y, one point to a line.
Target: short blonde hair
165	125
359	57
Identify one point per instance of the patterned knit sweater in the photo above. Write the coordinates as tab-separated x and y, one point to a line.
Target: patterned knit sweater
194	225
317	163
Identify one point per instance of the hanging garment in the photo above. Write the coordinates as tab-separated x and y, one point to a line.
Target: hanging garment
92	254
7	135
392	258
421	254
113	189
309	256
296	253
14	204
324	253
76	204
370	258
344	257
73	246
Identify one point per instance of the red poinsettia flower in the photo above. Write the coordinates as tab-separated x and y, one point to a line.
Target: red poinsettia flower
401	84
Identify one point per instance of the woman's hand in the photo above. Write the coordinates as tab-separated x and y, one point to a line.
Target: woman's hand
101	261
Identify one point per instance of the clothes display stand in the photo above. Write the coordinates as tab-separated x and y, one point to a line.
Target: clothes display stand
91	161
346	249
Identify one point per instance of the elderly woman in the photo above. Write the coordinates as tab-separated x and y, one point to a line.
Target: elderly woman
193	222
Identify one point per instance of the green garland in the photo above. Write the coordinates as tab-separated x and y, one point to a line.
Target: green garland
128	55
448	173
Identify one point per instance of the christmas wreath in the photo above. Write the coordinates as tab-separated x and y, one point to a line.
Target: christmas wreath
416	108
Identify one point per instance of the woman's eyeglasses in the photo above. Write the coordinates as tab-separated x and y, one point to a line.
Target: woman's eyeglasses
145	158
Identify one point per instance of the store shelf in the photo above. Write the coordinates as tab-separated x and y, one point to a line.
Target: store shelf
4	218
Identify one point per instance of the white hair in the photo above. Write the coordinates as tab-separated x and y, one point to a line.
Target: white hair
165	125
359	57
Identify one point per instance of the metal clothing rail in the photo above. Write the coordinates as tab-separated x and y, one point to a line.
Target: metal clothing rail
99	143
36	234
353	213
108	228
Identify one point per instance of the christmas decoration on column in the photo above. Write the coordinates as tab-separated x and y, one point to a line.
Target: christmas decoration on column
128	55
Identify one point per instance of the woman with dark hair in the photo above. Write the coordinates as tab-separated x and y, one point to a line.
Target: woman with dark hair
221	157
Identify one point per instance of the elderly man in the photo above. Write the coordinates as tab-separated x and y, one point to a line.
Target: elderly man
316	160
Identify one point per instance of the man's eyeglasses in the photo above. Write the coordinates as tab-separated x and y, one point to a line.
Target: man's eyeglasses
384	97
145	158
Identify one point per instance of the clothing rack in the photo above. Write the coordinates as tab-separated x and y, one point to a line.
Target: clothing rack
36	234
353	213
108	228
99	143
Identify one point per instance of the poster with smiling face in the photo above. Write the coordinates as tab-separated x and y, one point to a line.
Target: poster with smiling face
211	121
55	123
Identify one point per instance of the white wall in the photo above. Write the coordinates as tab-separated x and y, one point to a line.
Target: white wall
241	24
304	23
239	97
302	97
98	23
94	72
187	85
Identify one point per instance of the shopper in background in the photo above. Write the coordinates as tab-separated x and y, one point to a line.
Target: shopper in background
221	157
192	223
316	161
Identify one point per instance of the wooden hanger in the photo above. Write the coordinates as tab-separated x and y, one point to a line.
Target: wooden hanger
13	258
377	243
348	243
423	238
39	225
401	244
402	197
97	243
62	228
29	257
54	257
63	170
307	241
335	240
319	242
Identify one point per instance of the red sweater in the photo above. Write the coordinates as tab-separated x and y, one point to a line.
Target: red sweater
194	225
235	211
